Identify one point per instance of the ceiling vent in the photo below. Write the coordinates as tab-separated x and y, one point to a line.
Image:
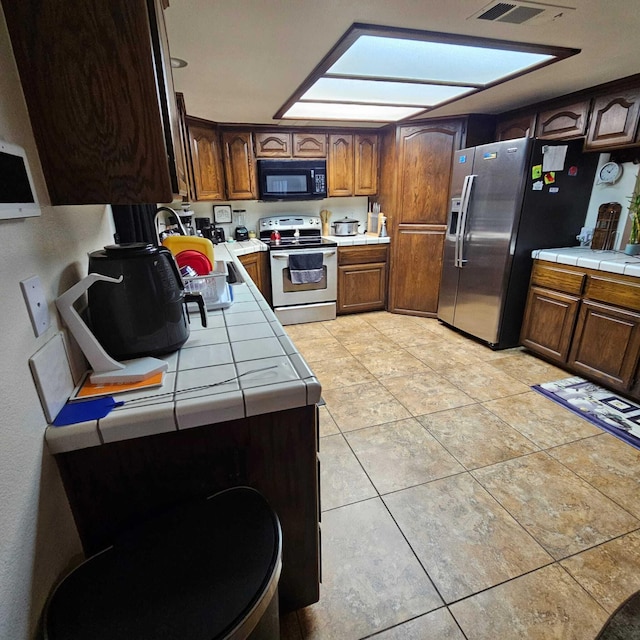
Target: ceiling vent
530	13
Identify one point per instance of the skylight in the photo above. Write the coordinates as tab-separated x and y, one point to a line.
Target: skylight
380	74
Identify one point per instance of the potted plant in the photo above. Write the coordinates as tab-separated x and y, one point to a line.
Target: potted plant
633	246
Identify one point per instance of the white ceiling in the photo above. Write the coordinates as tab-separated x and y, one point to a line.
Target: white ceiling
246	57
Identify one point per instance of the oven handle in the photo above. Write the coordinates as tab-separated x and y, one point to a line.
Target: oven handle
284	256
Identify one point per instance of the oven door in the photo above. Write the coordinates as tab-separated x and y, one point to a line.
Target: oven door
286	293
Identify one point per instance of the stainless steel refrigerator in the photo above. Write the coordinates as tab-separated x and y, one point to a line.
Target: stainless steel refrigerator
508	198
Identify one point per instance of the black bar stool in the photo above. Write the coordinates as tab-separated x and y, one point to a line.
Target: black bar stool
207	570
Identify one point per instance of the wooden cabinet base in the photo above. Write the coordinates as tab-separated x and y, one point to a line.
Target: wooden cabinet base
548	323
606	344
587	321
362	278
257	266
114	486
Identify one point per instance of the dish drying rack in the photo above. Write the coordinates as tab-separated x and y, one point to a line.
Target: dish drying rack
215	289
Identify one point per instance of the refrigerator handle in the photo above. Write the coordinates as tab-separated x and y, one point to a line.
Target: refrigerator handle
467	187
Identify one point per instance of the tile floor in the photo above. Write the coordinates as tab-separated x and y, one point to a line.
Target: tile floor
456	502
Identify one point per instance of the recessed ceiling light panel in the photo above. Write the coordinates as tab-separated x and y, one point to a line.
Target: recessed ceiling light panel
387	74
356	112
382	92
372	56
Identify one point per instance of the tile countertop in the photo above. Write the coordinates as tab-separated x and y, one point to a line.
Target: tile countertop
611	261
244	352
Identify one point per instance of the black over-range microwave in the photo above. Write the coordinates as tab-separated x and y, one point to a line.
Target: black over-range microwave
292	179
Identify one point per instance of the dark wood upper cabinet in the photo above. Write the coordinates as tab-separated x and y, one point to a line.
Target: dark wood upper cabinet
309	145
340	165
519	127
185	145
98	86
283	144
273	144
365	172
564	122
239	165
425	155
614	120
206	160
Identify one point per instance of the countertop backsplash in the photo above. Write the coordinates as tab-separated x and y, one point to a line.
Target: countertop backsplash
355	208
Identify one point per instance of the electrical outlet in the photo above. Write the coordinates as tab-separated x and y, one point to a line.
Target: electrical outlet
36	304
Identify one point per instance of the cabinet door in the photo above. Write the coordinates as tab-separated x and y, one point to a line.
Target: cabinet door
208	177
548	323
415	268
362	278
418	226
89	76
424	173
257	266
239	165
563	122
252	266
614	120
606	344
168	103
185	145
273	144
309	145
365	164
362	287
520	127
340	165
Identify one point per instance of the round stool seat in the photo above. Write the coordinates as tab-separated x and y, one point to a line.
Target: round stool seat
205	570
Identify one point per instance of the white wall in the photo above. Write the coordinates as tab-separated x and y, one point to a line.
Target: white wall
354	208
37	535
618	192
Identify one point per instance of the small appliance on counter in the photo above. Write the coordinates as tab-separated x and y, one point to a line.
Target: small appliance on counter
241	233
213	233
345	227
145	314
217	235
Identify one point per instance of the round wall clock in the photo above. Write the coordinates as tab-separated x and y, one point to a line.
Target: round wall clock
609	172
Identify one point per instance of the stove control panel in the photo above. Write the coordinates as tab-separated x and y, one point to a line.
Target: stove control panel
289	223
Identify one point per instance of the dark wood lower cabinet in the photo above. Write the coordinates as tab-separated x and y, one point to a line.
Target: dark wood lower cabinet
116	485
362	278
586	321
416	269
548	323
606	344
257	266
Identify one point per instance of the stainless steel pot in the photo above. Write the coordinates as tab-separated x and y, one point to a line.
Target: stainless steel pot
345	227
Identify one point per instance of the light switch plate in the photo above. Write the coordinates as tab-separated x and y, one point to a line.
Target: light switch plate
52	375
36	304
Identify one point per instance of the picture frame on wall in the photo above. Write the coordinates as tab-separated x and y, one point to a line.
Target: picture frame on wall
221	213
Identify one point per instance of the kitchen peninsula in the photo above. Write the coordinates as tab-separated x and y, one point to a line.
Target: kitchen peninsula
238	406
583	313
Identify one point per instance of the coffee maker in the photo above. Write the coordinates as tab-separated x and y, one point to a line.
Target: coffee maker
213	233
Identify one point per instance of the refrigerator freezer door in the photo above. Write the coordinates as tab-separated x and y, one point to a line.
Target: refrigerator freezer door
462	167
489	237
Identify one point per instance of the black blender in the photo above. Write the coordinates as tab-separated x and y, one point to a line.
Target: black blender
241	232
